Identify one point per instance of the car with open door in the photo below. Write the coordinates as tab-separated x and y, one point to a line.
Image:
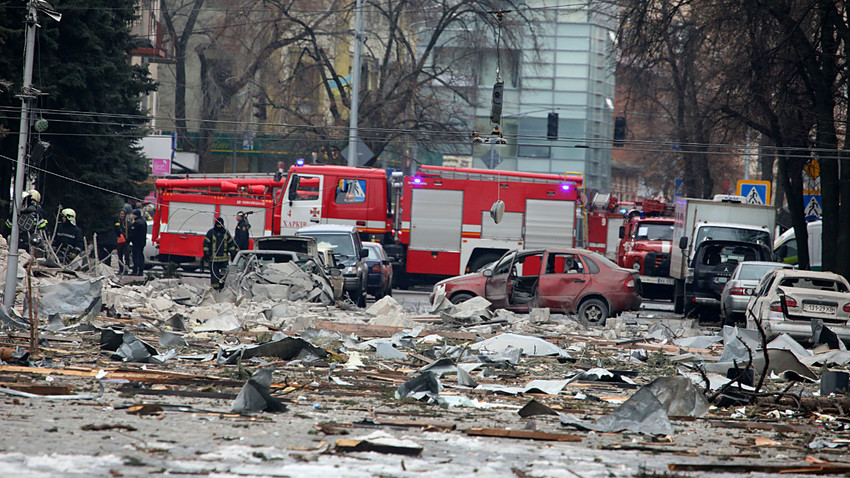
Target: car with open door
570	281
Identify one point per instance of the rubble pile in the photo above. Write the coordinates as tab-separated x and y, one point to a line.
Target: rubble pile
272	365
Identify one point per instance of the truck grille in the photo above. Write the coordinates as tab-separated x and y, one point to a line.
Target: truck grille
657	264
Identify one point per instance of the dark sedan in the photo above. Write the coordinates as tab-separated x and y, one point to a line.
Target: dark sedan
379	280
564	280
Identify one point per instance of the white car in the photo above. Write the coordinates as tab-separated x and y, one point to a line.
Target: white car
808	295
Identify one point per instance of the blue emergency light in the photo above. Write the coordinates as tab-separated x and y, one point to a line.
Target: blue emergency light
299	162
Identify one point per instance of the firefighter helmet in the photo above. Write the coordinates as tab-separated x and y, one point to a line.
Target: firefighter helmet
70	215
35	195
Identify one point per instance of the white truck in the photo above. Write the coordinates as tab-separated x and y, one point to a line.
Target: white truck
722	218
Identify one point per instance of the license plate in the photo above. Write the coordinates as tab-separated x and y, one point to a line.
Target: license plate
820	309
721	280
656	280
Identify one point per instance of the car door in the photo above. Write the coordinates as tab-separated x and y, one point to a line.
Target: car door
563	278
761	299
497	287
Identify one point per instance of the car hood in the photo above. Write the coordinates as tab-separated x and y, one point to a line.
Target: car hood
472	276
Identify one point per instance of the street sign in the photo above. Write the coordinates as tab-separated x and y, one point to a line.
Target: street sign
363	153
754	192
678	190
813	207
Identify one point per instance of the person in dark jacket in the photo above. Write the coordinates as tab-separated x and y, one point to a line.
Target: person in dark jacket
31	218
68	241
242	233
122	247
138	236
219	248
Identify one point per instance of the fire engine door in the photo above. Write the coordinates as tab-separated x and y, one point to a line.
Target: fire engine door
302	202
562	280
497	288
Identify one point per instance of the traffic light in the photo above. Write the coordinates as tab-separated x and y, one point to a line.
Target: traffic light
260	108
552	126
619	131
496	105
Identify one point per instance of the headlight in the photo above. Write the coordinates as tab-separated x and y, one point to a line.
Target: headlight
350	270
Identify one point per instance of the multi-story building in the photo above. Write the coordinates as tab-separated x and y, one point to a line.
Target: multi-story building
571	75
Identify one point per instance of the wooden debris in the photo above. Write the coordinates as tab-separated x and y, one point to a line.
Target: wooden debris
522	434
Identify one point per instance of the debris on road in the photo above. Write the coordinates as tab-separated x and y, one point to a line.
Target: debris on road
273	366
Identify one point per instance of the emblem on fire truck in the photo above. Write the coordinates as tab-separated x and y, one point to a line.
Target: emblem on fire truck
315	212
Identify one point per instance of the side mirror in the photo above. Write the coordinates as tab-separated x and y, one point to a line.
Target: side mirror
683	242
340	266
364	253
622	232
487	272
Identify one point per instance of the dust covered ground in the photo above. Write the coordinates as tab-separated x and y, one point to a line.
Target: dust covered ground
155	379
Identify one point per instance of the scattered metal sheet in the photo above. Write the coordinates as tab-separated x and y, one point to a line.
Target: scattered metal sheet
699	342
534	407
281	346
255	395
171	339
821	334
426	384
531	346
387	351
77	298
380	442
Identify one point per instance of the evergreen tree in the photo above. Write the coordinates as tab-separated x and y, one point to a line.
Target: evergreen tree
90	97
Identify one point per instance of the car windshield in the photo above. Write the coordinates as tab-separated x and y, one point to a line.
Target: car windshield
815	283
726	233
654	232
755	271
374	253
340	244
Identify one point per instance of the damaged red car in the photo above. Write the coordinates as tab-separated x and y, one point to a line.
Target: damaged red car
570	281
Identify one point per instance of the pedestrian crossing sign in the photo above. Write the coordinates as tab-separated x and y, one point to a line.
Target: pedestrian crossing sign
754	192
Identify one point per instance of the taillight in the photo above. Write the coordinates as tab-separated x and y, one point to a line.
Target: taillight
376	269
847	307
738	291
630	284
789	302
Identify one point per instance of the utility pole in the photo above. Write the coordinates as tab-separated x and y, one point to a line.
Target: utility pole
23	140
355	85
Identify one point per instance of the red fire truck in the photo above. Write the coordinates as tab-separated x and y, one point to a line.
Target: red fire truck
187	207
436	223
645	244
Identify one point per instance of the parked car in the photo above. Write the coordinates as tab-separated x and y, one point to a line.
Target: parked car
808	295
564	280
380	276
306	245
248	260
741	286
345	243
712	267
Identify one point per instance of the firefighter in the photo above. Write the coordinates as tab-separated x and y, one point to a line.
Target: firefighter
138	236
242	232
31	219
219	248
68	241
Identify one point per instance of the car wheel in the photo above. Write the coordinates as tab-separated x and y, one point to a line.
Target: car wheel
594	311
461	297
